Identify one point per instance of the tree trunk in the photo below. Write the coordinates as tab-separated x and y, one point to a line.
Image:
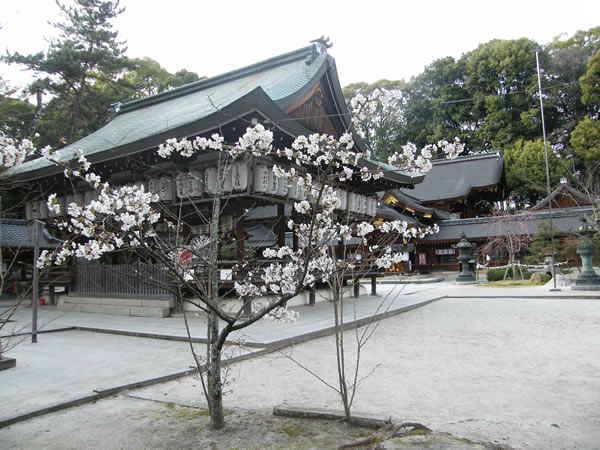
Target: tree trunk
215	388
38	110
338	308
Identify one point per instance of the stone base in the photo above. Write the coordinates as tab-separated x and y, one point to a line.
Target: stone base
468	278
587	281
585	287
7	363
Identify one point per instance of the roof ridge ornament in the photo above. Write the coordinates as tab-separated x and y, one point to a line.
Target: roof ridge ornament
320	47
113	110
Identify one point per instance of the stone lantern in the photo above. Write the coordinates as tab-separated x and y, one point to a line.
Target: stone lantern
465	257
587	280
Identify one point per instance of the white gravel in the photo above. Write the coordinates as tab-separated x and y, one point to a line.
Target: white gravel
519	372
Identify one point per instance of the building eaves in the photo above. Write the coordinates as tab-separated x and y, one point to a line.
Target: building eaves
450	180
145	123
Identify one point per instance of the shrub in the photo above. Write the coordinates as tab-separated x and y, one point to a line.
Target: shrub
546	277
495	274
498	274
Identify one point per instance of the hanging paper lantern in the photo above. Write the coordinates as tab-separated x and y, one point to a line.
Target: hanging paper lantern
282	186
90	196
60	201
372	206
239	171
76	198
225	179
153	185
272	187
182	185
293	190
226	223
42	209
29	210
210	180
363	204
141	185
261	178
353	202
195	185
166	189
302	192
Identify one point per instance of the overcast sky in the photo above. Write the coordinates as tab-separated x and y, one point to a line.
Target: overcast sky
371	39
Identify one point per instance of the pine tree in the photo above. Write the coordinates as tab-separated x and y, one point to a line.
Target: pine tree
86	50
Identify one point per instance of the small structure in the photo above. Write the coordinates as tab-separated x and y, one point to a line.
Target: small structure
16	244
587	280
465	261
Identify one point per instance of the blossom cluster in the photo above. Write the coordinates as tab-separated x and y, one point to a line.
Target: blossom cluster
379	102
117	218
12	152
414	161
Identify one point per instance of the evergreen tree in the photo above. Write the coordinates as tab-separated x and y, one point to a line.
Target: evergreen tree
86	50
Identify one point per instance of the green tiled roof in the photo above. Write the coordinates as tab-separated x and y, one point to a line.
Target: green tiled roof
280	78
267	87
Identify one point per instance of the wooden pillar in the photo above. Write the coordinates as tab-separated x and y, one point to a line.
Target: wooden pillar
311	296
240	230
356	287
280	227
51	294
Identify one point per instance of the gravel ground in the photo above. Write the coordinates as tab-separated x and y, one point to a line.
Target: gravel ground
519	373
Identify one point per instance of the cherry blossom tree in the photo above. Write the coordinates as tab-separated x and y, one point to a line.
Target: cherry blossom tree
131	218
510	234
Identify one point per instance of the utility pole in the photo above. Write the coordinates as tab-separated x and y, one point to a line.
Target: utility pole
537	60
36	232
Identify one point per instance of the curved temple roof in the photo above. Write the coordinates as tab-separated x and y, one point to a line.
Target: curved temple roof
455	179
267	87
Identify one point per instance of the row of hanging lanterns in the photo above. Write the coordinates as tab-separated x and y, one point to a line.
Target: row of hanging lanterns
196	183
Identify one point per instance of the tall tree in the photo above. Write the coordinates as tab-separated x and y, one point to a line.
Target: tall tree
590	85
501	78
567	62
433	109
525	164
87	49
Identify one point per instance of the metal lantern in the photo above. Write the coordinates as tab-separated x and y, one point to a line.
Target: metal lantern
587	280
465	256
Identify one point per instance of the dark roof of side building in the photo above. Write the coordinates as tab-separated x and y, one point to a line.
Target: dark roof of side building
565	220
566	192
455	179
17	233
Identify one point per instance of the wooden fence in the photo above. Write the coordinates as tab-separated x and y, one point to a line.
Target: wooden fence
150	280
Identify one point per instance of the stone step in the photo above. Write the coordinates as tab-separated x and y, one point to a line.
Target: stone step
116	306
